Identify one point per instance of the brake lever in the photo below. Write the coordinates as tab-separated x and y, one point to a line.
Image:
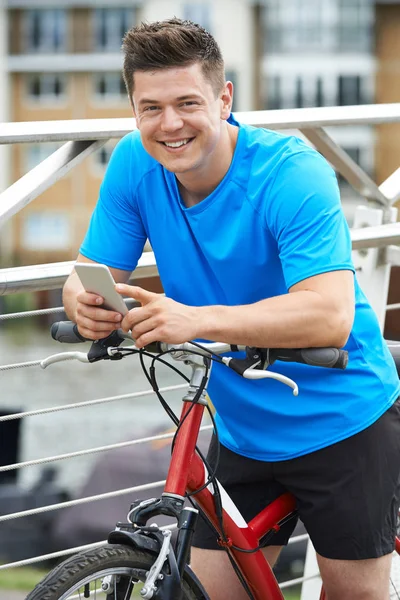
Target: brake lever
252	373
61	356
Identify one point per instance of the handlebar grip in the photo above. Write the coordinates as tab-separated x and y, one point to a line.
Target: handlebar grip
66	332
316	357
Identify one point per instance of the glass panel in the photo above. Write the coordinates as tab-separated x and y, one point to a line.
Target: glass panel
46	86
319	96
198	13
36	153
46	30
109	85
296	25
46	231
102	156
273	96
110	26
354	153
355	21
299	100
349	90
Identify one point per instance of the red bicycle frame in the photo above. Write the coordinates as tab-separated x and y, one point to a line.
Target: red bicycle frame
187	472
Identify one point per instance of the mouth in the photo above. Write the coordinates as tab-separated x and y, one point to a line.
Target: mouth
178	144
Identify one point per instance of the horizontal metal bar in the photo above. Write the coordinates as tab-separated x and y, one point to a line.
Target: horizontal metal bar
52	276
65	63
325	116
345	165
296	118
393	306
59	131
375	237
43	176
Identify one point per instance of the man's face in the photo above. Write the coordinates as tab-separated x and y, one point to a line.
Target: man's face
179	116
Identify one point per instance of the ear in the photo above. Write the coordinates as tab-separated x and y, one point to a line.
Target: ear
226	100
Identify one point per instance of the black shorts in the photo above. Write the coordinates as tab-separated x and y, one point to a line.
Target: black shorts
347	494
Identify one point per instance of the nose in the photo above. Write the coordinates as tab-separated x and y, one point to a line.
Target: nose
170	120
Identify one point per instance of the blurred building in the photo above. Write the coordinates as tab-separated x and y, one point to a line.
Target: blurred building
64	62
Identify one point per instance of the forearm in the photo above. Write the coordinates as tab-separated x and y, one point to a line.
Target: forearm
296	320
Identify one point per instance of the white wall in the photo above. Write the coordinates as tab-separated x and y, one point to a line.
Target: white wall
234	33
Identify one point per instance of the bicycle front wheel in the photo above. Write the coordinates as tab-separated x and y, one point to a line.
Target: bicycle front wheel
111	572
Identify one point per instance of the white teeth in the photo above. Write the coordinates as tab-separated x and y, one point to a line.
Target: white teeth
176	144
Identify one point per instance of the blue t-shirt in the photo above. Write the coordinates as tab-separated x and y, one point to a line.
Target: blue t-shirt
274	220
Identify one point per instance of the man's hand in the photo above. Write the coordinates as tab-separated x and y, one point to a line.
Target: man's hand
159	319
93	321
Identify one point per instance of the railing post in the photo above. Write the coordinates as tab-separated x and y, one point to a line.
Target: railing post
372	266
310	590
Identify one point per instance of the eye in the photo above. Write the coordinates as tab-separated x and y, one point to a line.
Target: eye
189	103
150	108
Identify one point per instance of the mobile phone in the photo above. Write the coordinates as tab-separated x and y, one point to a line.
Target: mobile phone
97	279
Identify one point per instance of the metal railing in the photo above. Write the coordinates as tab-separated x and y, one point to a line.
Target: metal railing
84	137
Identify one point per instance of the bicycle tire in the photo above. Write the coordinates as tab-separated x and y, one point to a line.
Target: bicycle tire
92	565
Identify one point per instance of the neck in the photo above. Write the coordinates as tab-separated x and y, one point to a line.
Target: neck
195	186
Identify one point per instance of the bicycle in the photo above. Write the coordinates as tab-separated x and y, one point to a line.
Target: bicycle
138	554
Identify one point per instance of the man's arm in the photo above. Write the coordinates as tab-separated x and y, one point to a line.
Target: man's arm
317	312
85	309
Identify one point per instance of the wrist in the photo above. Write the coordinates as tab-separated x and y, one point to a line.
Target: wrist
208	322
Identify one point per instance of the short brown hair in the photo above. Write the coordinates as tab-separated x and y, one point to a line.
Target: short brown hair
171	43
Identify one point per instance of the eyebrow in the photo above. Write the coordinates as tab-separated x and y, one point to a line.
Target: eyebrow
179	99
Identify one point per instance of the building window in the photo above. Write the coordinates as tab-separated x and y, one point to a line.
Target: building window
198	13
274	97
109	86
110	26
101	158
319	93
354	153
46	30
36	153
296	25
46	86
46	230
355	25
349	90
299	98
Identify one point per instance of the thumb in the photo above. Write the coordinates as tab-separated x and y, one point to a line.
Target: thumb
137	293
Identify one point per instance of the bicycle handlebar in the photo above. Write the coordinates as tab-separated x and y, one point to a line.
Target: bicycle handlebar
67	332
316	357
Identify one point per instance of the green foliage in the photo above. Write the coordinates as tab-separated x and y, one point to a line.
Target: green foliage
23	578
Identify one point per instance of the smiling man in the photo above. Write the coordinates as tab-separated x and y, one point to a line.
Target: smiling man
252	248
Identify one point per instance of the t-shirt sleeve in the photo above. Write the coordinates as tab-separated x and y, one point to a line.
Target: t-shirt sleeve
305	216
116	235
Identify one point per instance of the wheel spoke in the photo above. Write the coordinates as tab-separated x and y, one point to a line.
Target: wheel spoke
83	576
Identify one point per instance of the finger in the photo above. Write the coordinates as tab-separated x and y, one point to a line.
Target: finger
95	330
143	327
135	316
146	338
89	298
136	292
98	314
